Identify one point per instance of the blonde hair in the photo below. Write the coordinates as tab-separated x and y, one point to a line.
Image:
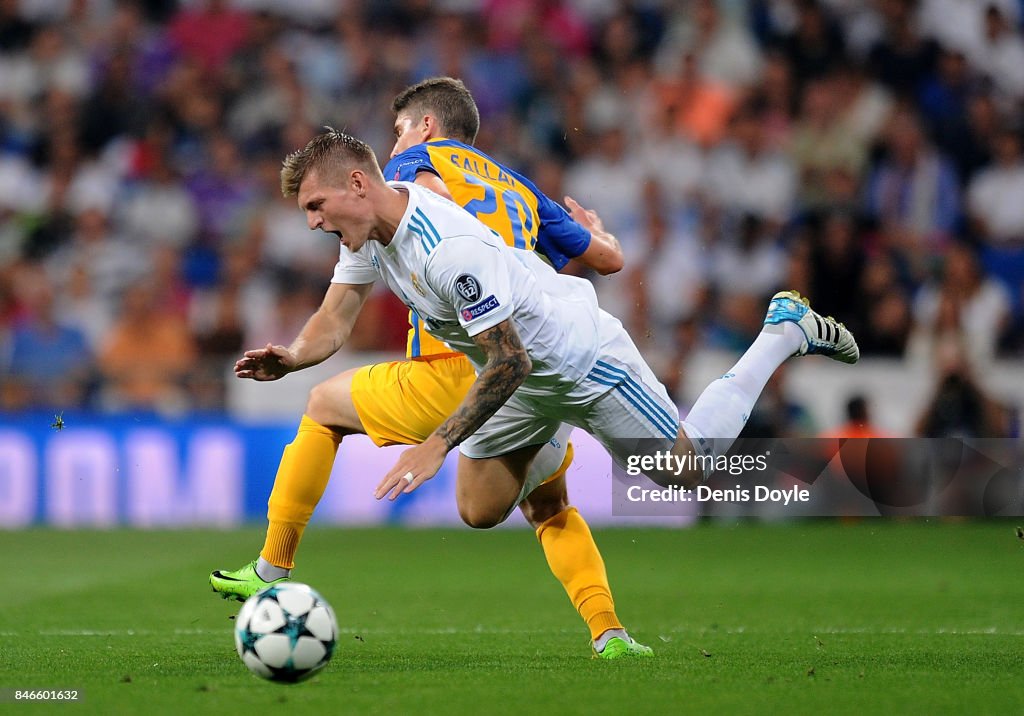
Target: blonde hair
328	154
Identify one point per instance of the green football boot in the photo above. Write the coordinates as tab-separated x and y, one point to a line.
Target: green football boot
618	648
241	583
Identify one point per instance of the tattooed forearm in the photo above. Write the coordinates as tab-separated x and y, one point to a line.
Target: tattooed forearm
507	367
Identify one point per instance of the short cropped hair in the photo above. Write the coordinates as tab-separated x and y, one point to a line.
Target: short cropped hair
328	153
448	100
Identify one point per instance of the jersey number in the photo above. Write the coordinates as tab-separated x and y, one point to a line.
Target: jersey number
514	205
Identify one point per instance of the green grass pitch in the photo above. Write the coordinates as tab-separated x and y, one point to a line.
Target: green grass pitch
809	617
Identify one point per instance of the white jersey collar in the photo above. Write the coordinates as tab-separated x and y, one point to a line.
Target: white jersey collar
403	226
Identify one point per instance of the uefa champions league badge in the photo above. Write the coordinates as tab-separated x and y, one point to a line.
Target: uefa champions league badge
468	287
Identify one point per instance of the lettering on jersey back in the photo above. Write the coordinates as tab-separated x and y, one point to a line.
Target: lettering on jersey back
481	168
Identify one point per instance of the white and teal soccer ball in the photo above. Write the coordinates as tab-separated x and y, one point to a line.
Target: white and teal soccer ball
286	632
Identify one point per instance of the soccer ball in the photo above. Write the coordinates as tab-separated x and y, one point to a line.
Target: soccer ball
286	632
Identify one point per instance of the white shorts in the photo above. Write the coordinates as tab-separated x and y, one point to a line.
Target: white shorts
544	465
619	402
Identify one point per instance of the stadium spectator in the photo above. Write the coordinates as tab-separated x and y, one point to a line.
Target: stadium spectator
209	31
115	108
49	363
747	267
971	148
244	281
509	22
620	200
859	423
960	24
663	282
157	210
222	190
944	94
837	265
219	331
826	155
913	194
959	407
15	30
80	305
146	356
774	99
965	307
280	98
996	217
108	259
539	105
51	61
702	106
997	213
625	38
901	59
1002	55
130	33
815	46
865	105
745	175
723	48
166	279
681	181
885	319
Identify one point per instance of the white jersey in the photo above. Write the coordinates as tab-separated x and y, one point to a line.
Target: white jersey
462	279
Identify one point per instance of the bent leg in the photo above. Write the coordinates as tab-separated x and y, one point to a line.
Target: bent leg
791	328
720	412
571	552
305	468
486	489
496	463
400	402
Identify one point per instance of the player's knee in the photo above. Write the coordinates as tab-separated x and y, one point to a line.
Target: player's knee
479	517
318	405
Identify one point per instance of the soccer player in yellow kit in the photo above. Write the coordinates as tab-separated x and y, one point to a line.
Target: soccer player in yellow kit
403	402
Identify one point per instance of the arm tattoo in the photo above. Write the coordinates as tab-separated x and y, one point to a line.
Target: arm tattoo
507	367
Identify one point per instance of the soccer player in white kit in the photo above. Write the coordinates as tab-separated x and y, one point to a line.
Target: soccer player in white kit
544	352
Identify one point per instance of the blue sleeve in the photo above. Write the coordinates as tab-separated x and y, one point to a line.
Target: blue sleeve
559	237
408	164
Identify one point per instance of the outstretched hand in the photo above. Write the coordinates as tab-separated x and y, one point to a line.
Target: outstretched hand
268	363
415	466
586	218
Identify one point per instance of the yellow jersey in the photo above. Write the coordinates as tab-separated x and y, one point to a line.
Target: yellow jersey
506	202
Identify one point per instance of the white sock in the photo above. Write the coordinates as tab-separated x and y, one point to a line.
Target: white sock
269	572
723	408
601	641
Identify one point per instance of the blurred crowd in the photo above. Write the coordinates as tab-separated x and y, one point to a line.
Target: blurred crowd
866	152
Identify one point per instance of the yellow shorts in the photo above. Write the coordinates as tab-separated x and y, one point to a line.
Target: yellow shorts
403	402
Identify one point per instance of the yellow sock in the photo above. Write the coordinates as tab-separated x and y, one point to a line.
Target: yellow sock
574	559
301	479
